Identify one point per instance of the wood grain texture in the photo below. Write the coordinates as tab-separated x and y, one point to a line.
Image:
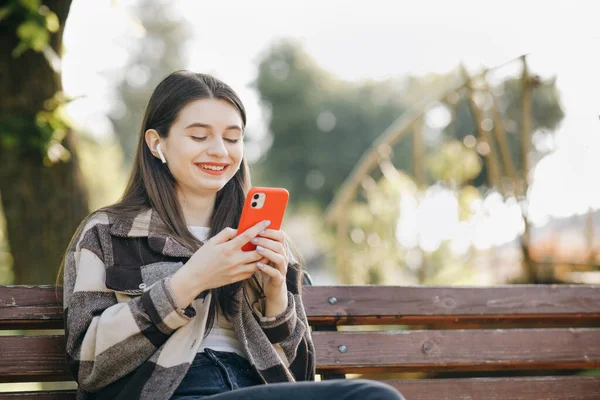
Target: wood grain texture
42	358
546	388
41	395
36	307
33	359
430	305
30	358
466	350
30	307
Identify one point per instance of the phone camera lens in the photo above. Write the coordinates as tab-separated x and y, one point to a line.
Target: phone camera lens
256	197
254	204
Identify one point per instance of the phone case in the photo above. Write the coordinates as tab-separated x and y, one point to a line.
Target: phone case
270	205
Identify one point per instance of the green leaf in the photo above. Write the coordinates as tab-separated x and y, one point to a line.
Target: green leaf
5	12
40	40
20	49
34	35
27	30
52	22
31	5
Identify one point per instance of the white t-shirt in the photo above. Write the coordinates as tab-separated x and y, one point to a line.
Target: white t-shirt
222	337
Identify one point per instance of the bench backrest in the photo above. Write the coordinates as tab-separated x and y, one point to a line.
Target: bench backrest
381	329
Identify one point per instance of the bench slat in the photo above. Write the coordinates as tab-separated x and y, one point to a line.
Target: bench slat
464	350
35	307
41	395
30	307
549	388
33	359
42	358
431	305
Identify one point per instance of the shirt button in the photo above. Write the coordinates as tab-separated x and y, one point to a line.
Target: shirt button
142	286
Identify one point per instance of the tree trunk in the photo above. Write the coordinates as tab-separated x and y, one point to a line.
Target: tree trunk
42	205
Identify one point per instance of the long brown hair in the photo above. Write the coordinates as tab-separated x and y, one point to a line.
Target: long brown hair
151	184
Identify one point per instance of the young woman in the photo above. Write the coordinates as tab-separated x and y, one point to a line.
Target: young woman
160	300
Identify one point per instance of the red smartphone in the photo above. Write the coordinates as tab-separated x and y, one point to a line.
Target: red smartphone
263	203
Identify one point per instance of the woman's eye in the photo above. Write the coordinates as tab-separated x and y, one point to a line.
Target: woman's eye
232	140
198	139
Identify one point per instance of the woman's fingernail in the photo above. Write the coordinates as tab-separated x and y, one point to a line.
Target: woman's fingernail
267	223
260	265
254	240
260	248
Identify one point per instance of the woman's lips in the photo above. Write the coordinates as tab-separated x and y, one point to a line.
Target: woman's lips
211	171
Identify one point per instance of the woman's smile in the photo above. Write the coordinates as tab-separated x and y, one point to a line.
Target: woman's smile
212	168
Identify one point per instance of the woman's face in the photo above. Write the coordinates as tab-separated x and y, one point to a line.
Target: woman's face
204	147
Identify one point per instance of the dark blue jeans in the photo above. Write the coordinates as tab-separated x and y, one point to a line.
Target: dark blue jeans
227	376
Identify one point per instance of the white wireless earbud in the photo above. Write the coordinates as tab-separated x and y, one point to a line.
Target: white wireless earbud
160	153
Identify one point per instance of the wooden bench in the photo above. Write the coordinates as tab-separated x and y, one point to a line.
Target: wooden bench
547	335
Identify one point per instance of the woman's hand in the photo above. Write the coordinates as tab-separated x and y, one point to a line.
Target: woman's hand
219	262
271	245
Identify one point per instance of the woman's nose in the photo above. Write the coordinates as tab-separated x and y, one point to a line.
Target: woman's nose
217	148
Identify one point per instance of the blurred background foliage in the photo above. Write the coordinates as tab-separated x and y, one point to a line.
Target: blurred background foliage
157	50
313	113
319	126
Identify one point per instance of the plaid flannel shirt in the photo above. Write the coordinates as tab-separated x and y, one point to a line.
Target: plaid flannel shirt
125	336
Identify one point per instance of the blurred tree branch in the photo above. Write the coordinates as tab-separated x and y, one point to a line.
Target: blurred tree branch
530	272
491	158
